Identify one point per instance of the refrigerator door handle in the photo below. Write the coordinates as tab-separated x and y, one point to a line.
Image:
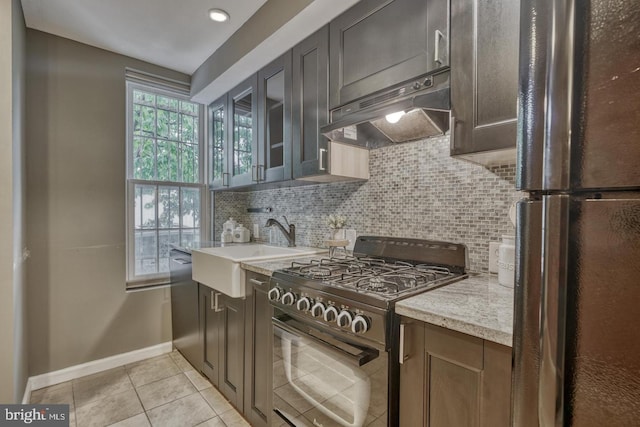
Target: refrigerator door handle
553	310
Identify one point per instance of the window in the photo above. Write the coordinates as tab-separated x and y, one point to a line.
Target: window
164	180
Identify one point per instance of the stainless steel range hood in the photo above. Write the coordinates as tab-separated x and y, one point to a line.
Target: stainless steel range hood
425	102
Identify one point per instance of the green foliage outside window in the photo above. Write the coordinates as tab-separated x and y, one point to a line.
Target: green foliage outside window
165	148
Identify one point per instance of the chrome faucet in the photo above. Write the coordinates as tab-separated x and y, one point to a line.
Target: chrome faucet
290	235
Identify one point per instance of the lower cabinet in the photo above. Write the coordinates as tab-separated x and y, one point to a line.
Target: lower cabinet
222	321
258	353
452	379
237	337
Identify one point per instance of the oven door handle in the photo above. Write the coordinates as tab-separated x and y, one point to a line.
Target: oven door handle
356	354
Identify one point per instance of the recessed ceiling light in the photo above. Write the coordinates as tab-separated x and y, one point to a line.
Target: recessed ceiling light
218	15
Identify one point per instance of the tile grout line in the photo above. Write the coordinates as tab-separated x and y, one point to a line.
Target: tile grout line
73	397
135	389
181	372
146	413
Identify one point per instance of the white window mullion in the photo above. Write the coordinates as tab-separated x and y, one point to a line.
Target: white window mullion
157	226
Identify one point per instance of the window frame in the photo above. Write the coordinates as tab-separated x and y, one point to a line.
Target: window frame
134	281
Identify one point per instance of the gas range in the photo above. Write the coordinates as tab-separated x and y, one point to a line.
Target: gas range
356	294
337	341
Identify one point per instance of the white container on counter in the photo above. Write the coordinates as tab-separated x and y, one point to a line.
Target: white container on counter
241	234
226	237
229	225
506	261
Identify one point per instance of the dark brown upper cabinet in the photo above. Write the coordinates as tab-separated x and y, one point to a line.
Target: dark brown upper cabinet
233	142
217	143
380	43
242	136
310	106
274	121
484	79
315	158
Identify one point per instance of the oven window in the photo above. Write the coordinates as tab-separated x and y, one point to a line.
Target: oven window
315	385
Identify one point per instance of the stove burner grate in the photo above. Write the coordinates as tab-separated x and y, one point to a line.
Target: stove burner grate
374	275
377	284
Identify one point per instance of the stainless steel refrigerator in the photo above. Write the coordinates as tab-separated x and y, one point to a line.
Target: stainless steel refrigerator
577	320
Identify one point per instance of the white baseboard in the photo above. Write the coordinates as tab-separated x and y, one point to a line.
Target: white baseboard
95	366
26	398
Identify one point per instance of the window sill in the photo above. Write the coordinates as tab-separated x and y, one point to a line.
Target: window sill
147	284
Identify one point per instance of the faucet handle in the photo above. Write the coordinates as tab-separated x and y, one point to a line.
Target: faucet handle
287	221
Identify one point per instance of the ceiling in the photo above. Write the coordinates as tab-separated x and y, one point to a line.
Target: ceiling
175	34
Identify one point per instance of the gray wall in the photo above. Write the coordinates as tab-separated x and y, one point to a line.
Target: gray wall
78	308
13	321
268	19
415	190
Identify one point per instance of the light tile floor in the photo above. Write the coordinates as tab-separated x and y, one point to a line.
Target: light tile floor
163	391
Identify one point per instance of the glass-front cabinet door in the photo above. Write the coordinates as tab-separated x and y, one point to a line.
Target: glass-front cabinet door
218	150
243	149
274	111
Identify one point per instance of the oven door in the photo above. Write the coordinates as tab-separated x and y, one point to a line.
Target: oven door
320	379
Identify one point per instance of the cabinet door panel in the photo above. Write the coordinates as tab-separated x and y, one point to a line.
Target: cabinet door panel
450	345
497	61
453	394
217	144
412	376
370	53
484	74
232	350
210	324
454	363
274	120
242	134
496	385
452	379
258	351
310	80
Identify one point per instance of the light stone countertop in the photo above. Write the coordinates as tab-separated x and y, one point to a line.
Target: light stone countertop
268	267
476	306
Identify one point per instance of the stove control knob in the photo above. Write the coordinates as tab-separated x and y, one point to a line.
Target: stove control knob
317	310
288	298
274	294
344	319
330	314
304	304
360	325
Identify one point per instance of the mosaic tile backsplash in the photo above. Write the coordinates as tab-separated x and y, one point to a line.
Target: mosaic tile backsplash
416	190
